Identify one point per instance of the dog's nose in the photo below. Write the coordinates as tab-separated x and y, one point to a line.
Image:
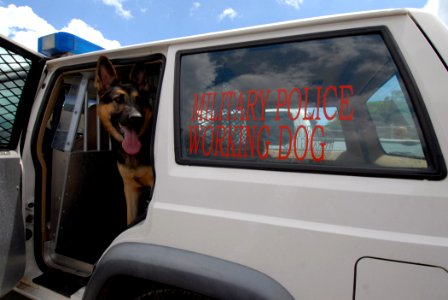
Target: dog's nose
134	114
131	117
135	118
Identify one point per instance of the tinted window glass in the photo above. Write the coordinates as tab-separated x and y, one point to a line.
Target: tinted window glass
317	103
394	121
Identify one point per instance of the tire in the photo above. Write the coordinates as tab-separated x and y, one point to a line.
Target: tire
170	294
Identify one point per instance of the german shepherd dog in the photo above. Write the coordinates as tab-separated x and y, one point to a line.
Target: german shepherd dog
126	112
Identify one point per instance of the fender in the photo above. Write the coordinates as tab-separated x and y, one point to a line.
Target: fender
196	272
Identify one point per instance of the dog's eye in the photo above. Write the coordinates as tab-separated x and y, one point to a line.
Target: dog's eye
119	99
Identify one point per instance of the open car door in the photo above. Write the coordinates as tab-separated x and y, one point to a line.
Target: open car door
20	72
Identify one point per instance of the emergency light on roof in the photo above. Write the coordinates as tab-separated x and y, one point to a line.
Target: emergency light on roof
61	43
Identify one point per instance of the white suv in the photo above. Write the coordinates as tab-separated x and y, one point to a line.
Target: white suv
300	160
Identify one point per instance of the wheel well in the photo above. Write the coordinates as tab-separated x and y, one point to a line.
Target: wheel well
162	266
124	287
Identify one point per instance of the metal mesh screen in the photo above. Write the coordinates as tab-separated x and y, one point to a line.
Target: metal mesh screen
14	70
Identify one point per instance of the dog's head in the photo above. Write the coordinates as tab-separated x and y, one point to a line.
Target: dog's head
124	108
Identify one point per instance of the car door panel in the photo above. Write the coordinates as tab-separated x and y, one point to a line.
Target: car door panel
12	235
20	70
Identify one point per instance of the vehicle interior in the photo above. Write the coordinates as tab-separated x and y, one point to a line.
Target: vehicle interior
82	206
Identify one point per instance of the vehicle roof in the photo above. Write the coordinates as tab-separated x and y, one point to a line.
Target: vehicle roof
256	29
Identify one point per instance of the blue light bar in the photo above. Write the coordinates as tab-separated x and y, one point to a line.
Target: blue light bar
62	43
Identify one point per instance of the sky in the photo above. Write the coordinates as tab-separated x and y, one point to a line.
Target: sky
115	23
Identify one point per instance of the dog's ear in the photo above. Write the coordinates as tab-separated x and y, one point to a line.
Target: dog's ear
139	78
106	76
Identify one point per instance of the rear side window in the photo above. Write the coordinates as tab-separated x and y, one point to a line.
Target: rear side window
338	104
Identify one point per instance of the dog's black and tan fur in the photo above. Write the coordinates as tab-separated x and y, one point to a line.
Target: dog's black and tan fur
125	112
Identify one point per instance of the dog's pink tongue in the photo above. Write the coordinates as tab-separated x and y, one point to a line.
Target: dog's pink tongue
131	145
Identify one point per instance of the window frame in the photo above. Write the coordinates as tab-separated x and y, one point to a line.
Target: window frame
436	164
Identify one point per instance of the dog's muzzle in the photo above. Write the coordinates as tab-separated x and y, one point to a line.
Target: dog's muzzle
129	127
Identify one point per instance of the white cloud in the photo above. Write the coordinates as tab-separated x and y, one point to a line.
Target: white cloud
195	7
439	8
119	9
22	25
228	13
82	29
432	5
294	3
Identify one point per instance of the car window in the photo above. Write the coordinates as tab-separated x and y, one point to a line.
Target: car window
395	123
332	103
14	70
